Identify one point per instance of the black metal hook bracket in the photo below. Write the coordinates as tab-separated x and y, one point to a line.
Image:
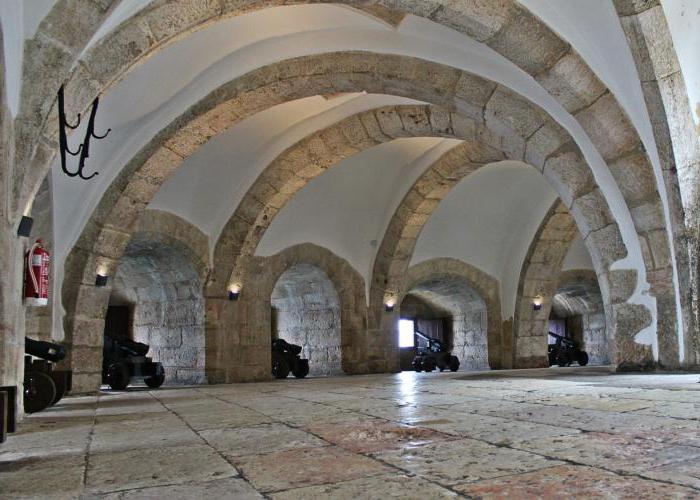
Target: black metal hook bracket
84	149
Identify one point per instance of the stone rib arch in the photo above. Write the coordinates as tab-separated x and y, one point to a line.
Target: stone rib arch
539	277
107	233
168	227
651	44
506	27
485	285
242	353
155	227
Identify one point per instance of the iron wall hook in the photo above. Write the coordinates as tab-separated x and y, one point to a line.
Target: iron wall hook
84	148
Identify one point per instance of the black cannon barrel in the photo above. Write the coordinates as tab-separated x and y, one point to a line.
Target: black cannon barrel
565	340
282	346
44	350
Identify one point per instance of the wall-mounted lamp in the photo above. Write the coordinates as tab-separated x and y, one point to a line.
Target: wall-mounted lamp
101	280
537	303
25	226
234	292
389	305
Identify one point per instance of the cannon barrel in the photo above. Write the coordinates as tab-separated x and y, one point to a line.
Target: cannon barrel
44	350
434	344
282	346
565	340
124	347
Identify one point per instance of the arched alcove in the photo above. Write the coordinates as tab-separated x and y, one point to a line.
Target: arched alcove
157	299
448	309
306	311
577	312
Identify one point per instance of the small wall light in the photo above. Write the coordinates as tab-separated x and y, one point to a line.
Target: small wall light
25	226
537	303
101	280
233	292
389	305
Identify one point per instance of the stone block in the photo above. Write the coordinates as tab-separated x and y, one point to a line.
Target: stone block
571	82
634	175
86	359
658	41
608	127
507	113
545	142
170	19
605	247
569	175
591	212
648	216
529	43
659	247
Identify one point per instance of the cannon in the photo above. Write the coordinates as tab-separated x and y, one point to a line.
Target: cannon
565	351
285	358
123	360
433	353
43	385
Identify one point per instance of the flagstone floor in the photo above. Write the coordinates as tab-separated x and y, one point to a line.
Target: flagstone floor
552	433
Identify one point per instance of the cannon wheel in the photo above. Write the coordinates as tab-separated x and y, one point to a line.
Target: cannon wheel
280	368
301	368
118	376
417	364
39	392
429	364
60	380
582	358
454	363
156	380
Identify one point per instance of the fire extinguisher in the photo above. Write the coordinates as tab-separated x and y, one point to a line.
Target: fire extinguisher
36	276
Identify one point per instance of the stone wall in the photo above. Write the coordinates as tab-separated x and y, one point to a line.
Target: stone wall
676	139
473	301
452	298
306	311
165	292
238	333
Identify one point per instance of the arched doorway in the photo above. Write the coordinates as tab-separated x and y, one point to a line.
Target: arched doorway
577	313
157	299
448	309
306	311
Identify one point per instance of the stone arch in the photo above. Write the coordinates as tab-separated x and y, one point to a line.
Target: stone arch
158	295
538	278
487	287
242	353
108	231
306	312
506	27
155	229
664	90
578	297
484	142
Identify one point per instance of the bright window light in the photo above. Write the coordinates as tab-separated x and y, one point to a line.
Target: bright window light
405	333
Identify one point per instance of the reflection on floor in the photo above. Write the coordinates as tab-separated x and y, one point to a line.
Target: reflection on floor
523	434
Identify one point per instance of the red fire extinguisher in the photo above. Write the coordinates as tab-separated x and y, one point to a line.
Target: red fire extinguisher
36	276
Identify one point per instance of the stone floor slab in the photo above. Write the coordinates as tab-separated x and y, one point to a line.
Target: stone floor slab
465	460
569	481
306	467
265	438
154	467
371	488
232	488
